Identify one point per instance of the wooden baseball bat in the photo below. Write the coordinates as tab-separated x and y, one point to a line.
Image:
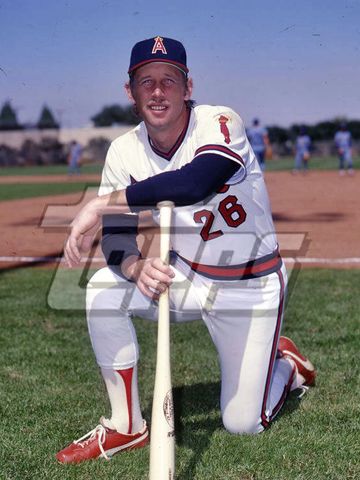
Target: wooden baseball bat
162	436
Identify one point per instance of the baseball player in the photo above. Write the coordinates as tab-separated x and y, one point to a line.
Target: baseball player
225	263
302	151
259	140
343	142
74	158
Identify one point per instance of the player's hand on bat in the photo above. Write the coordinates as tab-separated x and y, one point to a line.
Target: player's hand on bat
83	230
152	276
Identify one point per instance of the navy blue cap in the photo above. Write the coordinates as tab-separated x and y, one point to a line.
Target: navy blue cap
158	49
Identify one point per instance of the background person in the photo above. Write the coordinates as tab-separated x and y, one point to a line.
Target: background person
259	140
302	151
343	143
74	158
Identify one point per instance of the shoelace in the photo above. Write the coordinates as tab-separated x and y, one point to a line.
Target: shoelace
304	389
100	432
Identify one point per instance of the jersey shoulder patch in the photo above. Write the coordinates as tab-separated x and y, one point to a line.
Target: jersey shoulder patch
217	115
222	123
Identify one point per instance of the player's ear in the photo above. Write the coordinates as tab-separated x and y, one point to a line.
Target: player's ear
129	92
188	88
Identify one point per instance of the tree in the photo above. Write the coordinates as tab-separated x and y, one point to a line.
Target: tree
115	115
321	131
8	120
46	119
354	127
278	134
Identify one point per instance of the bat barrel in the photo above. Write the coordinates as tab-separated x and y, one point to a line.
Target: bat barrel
162	439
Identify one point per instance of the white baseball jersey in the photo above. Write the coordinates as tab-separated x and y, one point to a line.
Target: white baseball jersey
229	229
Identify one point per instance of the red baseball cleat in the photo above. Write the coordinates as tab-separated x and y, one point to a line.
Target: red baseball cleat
102	441
306	372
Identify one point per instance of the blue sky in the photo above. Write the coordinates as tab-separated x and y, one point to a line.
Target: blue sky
282	61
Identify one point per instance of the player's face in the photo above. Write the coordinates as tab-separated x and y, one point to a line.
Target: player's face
159	92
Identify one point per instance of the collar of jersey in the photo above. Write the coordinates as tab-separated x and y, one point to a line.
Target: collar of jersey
168	155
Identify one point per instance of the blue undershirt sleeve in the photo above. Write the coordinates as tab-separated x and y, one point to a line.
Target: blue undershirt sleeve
186	186
119	239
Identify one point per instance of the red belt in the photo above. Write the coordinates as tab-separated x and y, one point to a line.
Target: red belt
252	269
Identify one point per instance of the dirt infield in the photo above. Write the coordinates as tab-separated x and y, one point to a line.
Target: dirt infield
320	207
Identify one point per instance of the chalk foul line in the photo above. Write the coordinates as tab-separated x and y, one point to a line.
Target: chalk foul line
52	259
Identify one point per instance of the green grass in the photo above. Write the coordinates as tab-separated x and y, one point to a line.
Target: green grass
51	391
284	163
49	170
315	163
18	191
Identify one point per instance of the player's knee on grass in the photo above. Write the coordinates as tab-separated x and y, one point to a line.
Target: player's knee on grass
242	424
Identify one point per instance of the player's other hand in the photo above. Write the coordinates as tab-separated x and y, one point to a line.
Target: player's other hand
83	230
152	276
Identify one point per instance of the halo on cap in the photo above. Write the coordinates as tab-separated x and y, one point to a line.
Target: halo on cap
158	49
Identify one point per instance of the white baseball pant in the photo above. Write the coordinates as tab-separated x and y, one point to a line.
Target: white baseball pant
243	318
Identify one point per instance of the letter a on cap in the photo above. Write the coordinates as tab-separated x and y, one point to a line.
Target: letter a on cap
159	46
